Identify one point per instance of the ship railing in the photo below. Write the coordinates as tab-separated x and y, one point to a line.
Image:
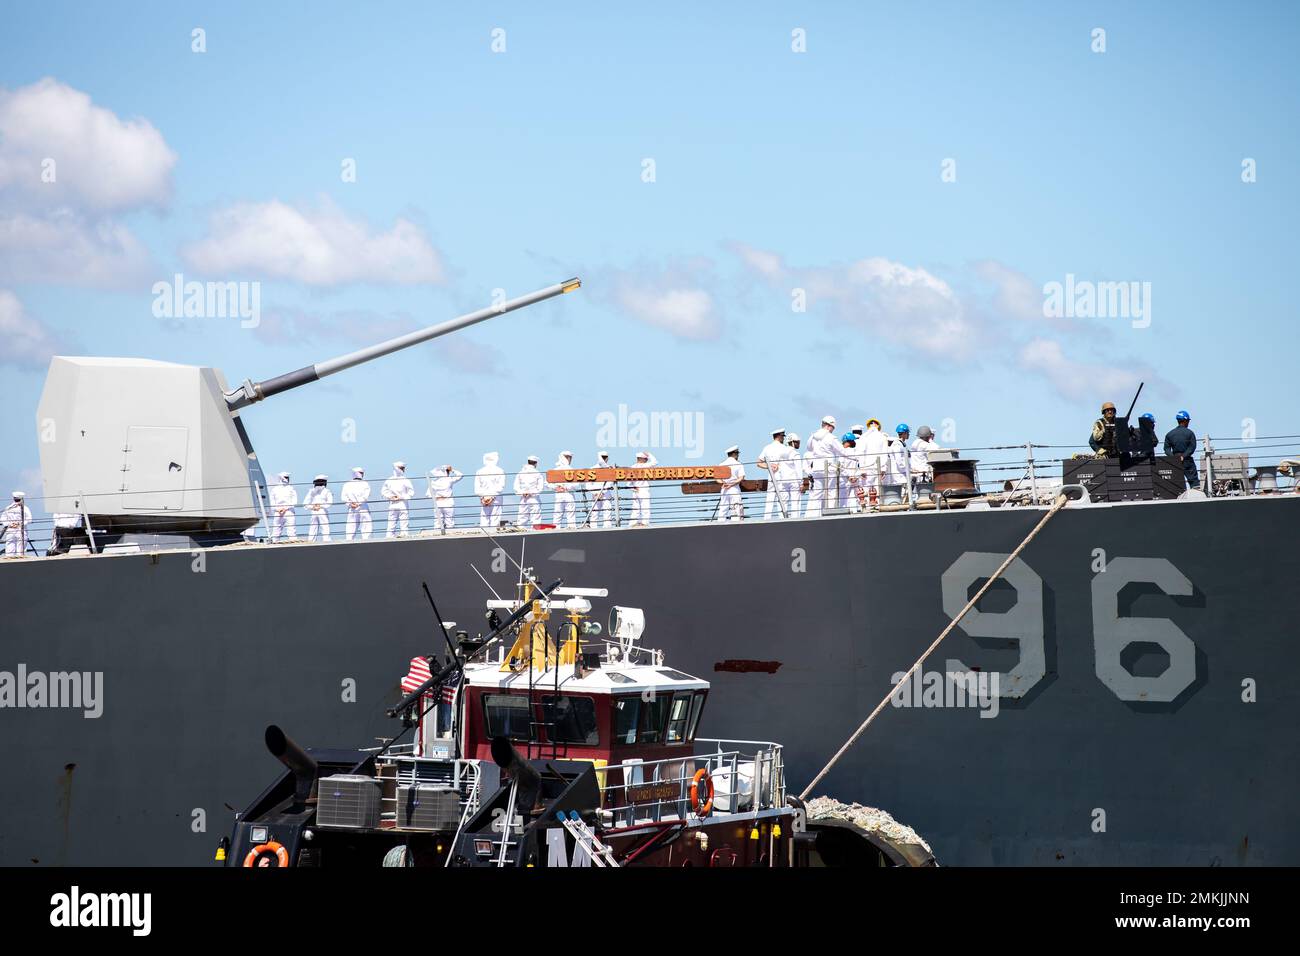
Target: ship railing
616	652
747	776
1025	473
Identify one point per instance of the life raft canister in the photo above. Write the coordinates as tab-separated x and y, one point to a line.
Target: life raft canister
702	797
255	855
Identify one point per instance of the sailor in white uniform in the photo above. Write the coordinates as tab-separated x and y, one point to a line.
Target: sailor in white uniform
397	488
824	454
729	504
898	464
564	500
284	497
489	482
922	445
318	501
796	470
850	473
442	482
601	514
16	519
769	459
528	486
874	449
356	495
641	491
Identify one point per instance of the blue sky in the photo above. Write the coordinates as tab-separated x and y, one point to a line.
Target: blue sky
774	170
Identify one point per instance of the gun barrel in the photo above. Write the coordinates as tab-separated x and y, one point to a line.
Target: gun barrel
251	392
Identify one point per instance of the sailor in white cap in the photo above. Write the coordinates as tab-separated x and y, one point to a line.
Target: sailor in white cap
489	482
729	504
528	486
641	490
564	501
16	519
441	482
318	501
789	478
283	498
769	459
601	513
356	493
398	490
798	474
824	453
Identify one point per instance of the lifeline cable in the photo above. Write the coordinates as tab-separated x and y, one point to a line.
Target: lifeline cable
1056	506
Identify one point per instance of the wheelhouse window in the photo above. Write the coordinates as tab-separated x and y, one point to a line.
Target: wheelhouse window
697	705
678	718
654	715
571	720
626	711
507	715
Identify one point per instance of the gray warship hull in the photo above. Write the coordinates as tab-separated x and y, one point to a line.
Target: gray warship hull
1148	683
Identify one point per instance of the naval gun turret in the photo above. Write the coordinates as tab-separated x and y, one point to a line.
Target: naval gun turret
142	447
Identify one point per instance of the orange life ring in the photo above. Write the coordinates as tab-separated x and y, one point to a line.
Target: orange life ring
703	807
281	854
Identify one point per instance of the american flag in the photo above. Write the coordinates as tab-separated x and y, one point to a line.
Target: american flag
419	673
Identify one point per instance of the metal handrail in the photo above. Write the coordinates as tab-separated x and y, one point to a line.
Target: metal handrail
767	788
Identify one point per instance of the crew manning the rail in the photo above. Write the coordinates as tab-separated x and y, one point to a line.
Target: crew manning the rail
922	445
284	497
600	513
318	501
774	453
356	495
564	515
641	491
442	481
827	456
730	506
528	486
489	482
16	519
398	490
875	446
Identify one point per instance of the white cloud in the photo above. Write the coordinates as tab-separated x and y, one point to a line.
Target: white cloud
675	298
320	247
27	343
1082	380
64	247
901	305
686	313
101	163
67	167
1015	295
769	265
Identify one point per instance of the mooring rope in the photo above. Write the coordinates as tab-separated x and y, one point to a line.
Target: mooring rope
1056	506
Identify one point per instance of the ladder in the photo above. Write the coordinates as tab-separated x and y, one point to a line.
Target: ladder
600	854
506	842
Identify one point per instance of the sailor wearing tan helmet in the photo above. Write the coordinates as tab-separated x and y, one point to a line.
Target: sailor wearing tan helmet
1103	441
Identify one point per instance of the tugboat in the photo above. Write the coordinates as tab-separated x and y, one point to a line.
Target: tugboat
541	748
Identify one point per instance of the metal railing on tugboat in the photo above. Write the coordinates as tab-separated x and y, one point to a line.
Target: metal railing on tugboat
653	791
